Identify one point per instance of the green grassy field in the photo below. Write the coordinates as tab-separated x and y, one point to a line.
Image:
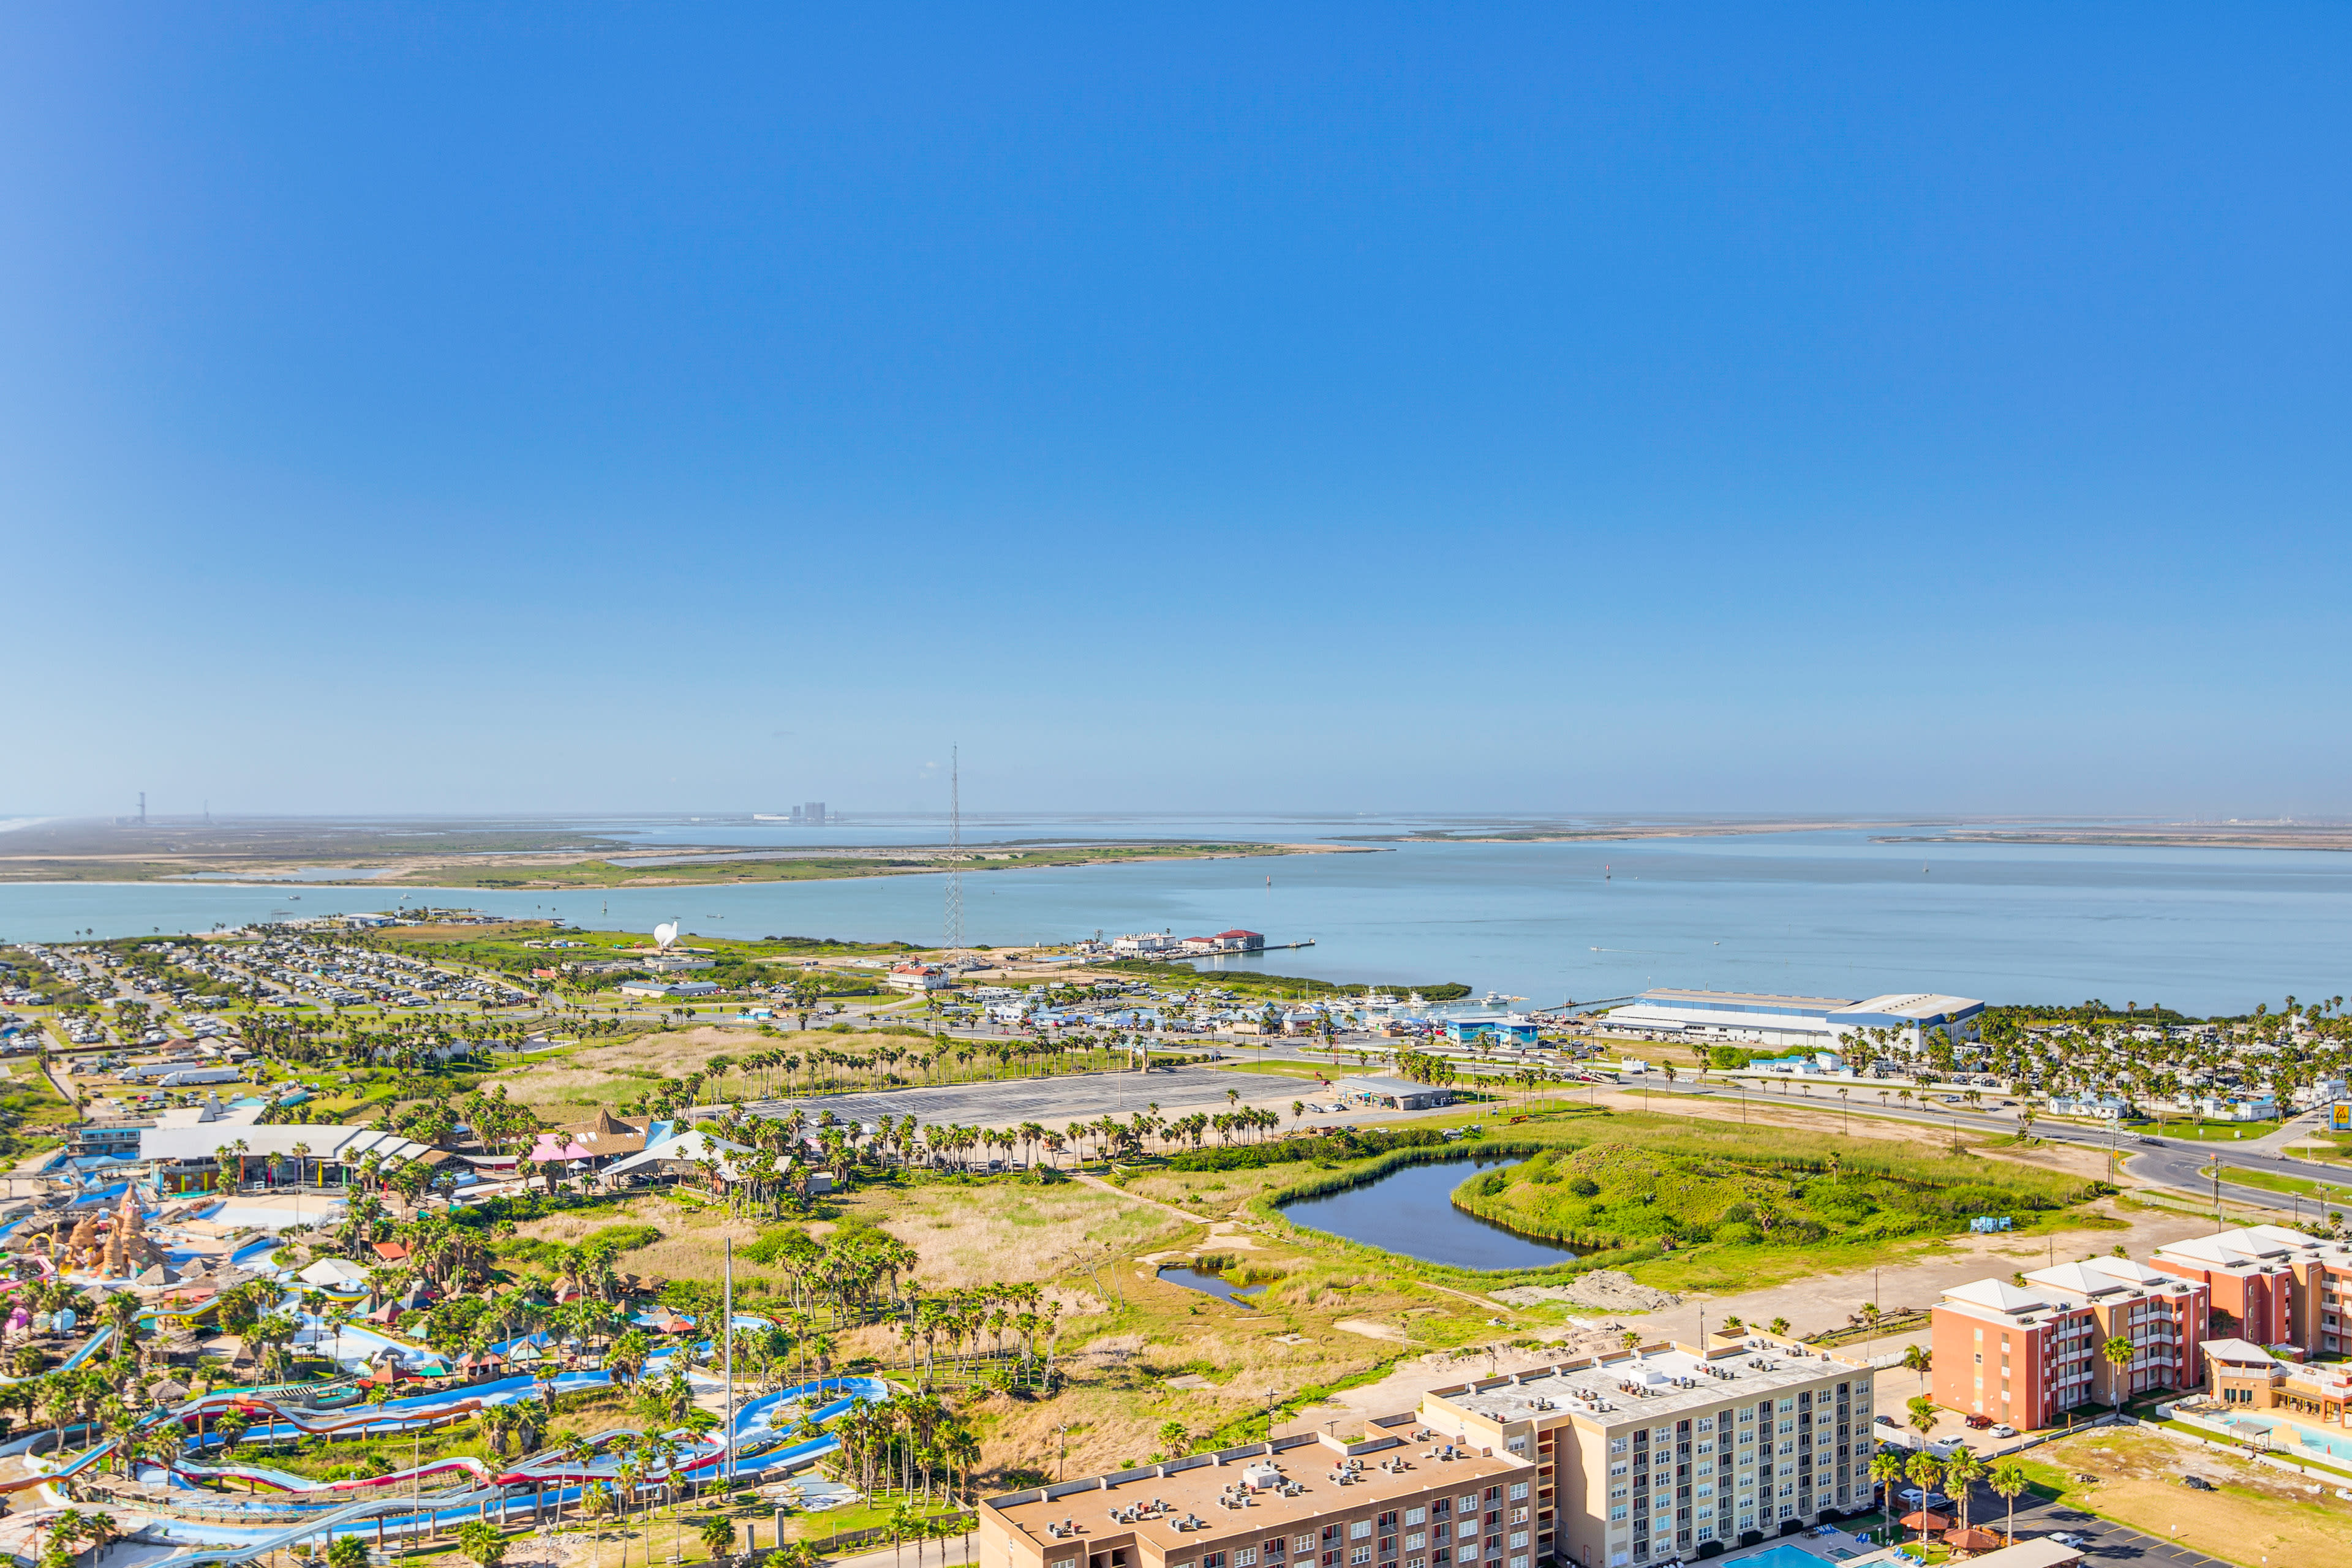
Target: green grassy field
2338	1192
1713	1206
2209	1132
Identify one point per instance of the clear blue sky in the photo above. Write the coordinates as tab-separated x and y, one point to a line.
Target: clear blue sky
1648	407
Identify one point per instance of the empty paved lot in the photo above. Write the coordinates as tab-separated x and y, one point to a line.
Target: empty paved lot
1055	1101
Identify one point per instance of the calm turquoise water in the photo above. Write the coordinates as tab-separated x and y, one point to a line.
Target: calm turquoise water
2200	929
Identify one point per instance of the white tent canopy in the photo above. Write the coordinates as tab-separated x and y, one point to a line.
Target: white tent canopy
691	1147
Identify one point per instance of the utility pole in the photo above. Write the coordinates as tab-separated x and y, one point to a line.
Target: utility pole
142	808
955	847
727	1329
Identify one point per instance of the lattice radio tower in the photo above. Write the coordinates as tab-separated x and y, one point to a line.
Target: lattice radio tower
955	848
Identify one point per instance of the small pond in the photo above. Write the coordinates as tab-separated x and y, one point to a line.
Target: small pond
1410	1210
1215	1284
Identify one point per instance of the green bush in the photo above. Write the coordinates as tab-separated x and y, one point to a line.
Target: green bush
1349	1144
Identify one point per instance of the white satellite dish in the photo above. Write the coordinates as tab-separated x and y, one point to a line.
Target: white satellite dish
665	933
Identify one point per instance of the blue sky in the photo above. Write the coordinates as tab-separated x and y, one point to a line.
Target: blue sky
1647	408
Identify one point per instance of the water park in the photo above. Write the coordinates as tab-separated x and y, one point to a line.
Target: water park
126	1450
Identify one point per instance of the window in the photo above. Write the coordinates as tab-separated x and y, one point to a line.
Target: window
1304	1544
1416	1541
1414	1563
1245	1557
1517	1444
1617	1491
1518	1516
1467	1527
1617	1444
1358	1555
1519	1563
1706	1423
1617	1513
1359	1529
1468	1504
1518	1491
1748	1438
1519	1538
1617	1470
1212	1560
1415	1515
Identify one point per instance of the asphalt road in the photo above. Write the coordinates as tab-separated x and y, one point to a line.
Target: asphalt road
2106	1542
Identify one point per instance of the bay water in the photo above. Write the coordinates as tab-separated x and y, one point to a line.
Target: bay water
1825	913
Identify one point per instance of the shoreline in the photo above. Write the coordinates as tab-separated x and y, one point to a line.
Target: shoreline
618	873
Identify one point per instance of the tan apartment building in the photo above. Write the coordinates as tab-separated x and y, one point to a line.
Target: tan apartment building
1670	1452
1305	1501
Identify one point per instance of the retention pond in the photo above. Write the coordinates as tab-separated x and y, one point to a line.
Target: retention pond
1410	1210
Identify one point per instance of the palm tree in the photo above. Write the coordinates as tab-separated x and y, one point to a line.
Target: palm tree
1961	1470
1924	1472
1886	1470
2117	1353
2009	1482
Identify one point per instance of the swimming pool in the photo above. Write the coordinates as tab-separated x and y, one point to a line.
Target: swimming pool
1781	1555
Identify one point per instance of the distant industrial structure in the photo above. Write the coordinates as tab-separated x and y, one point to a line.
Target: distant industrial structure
1812	1023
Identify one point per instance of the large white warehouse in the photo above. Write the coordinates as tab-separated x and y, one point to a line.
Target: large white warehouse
1810	1023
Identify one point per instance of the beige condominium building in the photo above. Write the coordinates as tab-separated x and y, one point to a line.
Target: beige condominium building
1664	1453
1306	1502
1638	1458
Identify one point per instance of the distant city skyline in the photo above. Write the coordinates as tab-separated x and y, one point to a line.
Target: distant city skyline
569	409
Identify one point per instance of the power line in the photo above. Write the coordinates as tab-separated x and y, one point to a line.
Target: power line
955	848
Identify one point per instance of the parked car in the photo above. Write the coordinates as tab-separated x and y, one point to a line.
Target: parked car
2156	1142
1979	1421
2065	1539
1881	1421
2004	1430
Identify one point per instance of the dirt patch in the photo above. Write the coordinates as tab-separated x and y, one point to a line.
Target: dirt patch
969	1235
624	1070
1603	1289
2256	1513
1369	1330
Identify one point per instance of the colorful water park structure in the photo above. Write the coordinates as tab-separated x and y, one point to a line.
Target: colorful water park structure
148	1265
